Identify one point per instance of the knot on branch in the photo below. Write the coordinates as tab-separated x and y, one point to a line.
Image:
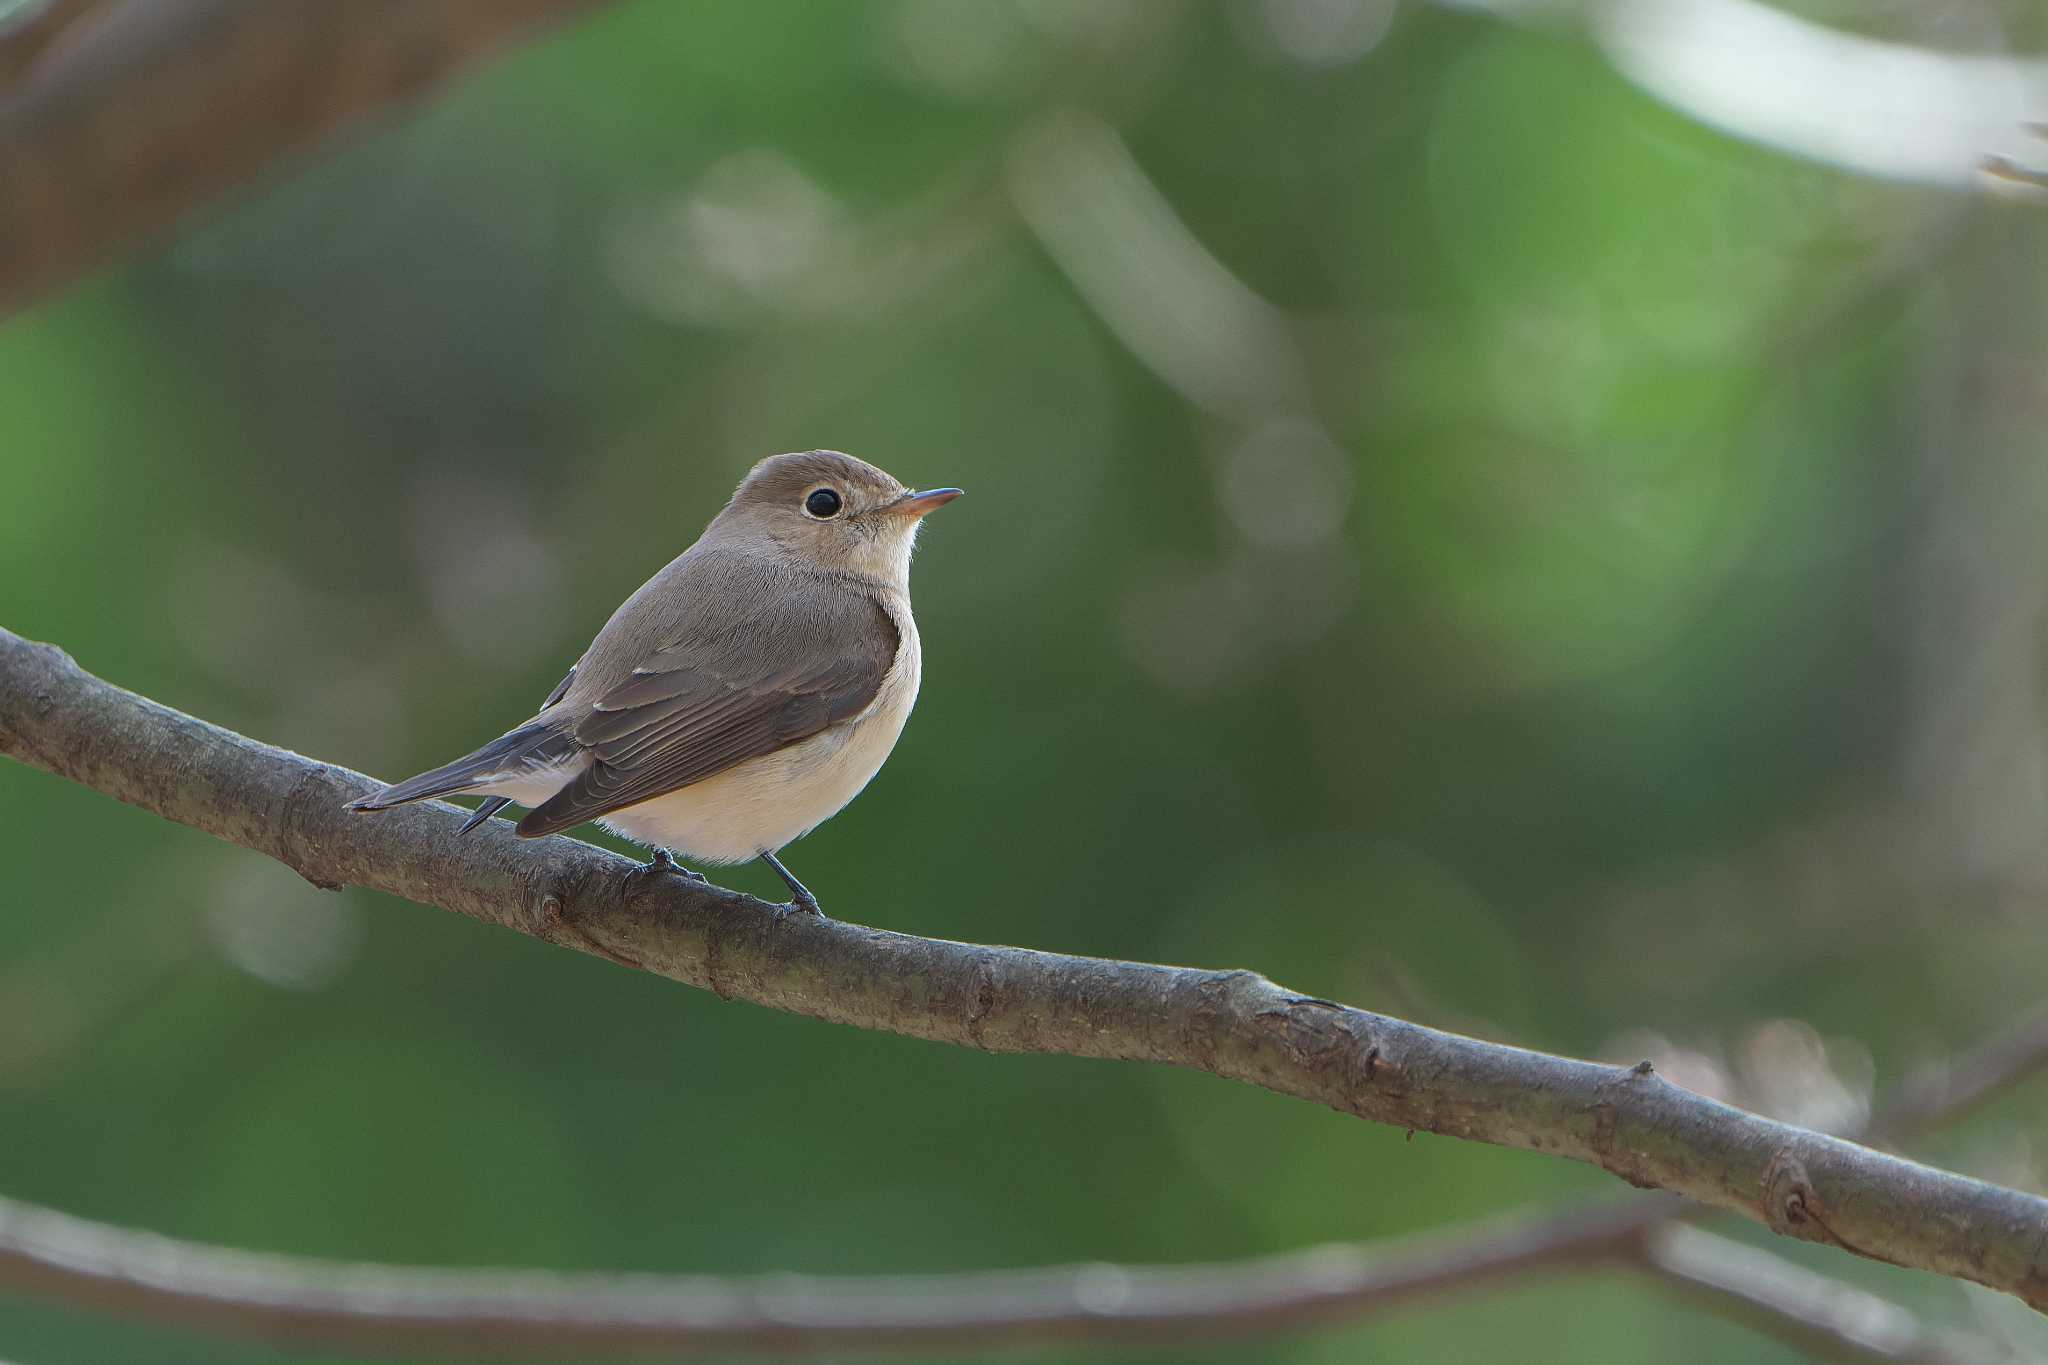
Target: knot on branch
1792	1207
984	994
562	930
51	661
1617	1157
556	903
1331	1040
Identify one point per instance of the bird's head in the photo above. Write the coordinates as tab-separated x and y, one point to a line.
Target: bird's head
833	510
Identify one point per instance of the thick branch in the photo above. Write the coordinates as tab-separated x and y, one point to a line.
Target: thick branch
1234	1024
133	113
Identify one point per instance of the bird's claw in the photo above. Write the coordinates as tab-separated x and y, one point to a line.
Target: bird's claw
800	905
664	863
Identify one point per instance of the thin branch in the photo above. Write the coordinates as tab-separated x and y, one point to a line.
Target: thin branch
131	114
387	1307
1792	1303
1945	1091
1234	1024
1745	1286
426	1309
384	1307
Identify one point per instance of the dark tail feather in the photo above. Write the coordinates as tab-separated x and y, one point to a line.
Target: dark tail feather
535	741
491	806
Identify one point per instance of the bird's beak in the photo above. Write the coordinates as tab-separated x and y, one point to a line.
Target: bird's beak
917	504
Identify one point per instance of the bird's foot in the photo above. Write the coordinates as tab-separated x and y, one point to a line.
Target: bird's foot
799	903
663	863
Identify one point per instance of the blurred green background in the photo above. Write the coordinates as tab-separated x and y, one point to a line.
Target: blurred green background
1445	530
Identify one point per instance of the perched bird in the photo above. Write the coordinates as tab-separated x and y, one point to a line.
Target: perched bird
743	695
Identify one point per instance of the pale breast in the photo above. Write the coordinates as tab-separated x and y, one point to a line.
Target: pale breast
764	803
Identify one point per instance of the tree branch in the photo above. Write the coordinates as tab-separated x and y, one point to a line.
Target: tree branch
130	114
1945	1091
1234	1024
424	1309
383	1307
1792	1303
402	1308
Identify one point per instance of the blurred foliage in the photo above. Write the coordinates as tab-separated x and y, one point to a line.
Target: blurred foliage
1614	627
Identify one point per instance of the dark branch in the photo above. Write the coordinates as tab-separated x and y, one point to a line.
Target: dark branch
1234	1024
127	115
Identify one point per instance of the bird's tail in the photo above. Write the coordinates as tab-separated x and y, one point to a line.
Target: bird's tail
534	744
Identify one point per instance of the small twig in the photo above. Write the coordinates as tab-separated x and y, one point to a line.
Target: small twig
1945	1091
1810	1311
2006	169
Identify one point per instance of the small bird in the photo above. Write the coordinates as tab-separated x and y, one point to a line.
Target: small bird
743	695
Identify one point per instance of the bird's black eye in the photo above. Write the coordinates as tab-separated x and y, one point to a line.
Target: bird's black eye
823	504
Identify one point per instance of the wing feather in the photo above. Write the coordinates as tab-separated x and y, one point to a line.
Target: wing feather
561	688
720	696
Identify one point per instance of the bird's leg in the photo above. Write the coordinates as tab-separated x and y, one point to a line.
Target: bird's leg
800	898
664	861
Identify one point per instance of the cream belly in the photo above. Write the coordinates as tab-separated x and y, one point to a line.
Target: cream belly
764	803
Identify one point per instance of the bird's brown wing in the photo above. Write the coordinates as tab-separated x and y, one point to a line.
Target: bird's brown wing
719	696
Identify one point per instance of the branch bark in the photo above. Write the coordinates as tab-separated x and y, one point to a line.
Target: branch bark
130	114
424	1309
1234	1024
413	1309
